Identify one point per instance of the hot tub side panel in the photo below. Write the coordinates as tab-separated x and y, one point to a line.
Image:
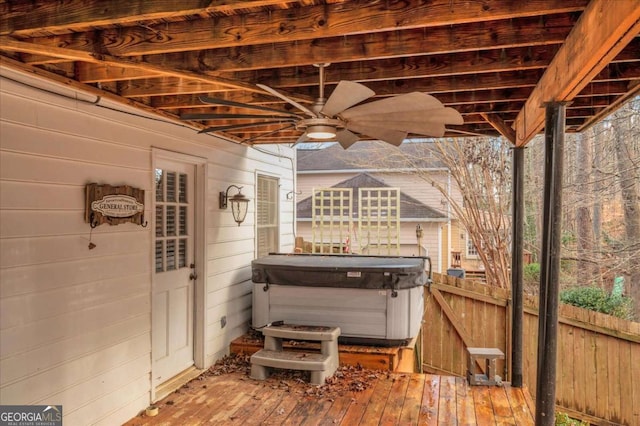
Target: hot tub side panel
360	313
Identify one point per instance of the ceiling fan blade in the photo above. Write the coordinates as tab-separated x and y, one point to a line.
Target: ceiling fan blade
438	115
237	126
346	138
414	101
231	116
301	107
345	95
392	136
435	129
224	102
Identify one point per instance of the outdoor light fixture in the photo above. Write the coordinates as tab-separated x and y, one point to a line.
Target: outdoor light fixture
320	131
239	203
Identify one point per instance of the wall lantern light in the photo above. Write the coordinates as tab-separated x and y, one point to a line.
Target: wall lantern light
239	203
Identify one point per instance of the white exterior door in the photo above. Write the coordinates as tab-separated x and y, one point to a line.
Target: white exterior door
174	270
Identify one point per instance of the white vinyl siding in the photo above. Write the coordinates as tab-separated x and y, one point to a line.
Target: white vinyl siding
267	217
75	322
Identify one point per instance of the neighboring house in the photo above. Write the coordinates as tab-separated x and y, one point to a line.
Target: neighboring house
378	165
99	320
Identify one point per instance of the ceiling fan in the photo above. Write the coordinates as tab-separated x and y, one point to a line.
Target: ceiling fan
340	117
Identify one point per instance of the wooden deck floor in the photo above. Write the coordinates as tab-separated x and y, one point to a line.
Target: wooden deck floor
390	399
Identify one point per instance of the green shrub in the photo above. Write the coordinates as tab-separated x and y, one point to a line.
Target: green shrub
596	299
562	419
532	272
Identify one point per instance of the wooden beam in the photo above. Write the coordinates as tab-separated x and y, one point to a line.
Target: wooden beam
602	31
500	126
427	66
12	45
633	92
416	66
375	46
53	16
93	73
304	23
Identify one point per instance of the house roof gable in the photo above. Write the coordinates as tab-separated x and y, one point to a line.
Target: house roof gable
409	206
367	155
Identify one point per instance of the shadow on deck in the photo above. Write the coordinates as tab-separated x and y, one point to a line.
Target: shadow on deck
232	398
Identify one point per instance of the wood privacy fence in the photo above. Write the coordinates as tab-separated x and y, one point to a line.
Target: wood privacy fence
598	364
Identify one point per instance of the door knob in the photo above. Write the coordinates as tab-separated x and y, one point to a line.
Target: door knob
193	276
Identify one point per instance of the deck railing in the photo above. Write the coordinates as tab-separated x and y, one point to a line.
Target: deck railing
598	363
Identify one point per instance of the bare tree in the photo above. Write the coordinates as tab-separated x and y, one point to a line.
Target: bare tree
583	202
481	168
629	175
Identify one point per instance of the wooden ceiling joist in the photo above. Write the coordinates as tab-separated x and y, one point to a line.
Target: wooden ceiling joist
10	44
495	61
602	31
274	26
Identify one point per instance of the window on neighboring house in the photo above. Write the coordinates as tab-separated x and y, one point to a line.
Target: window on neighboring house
472	251
267	217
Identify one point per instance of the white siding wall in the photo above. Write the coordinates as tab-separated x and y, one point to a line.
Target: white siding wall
307	182
418	188
75	323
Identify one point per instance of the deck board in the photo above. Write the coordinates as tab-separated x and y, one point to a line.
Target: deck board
464	403
447	402
393	407
413	400
354	413
391	399
378	401
429	410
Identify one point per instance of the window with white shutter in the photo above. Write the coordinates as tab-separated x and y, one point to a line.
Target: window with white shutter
267	216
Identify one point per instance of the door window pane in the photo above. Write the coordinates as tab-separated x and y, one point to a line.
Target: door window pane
159	185
182	253
171	254
159	256
159	221
182	197
183	220
171	186
171	220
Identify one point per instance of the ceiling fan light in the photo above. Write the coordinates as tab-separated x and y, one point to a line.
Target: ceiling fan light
321	132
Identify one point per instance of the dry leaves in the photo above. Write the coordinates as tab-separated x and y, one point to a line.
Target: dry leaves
346	378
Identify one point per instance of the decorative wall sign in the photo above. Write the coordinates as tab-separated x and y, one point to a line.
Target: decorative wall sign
113	205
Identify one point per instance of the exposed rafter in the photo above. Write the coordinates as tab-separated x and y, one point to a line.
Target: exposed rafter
484	59
602	31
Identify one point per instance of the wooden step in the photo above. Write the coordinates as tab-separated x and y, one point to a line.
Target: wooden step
302	332
320	365
309	361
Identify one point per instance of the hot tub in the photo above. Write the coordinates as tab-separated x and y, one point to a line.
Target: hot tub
373	299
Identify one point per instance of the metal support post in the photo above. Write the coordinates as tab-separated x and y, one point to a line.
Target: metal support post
550	265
